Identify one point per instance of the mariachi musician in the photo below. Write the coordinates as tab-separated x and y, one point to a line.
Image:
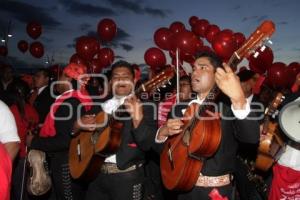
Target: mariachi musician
55	134
121	176
217	170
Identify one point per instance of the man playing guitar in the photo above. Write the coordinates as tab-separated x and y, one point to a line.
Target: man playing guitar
217	170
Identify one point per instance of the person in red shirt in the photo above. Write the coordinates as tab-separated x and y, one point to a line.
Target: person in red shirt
5	173
26	119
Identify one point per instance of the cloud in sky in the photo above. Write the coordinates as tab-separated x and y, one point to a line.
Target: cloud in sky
84	9
137	8
24	12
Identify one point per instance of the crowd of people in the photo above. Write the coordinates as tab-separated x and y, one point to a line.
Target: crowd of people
49	113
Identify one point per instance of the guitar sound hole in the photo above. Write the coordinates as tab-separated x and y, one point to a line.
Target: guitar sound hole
30	172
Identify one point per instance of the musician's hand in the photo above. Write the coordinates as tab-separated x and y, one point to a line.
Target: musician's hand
134	108
230	85
172	127
86	122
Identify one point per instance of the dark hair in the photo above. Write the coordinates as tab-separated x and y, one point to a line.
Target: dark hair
19	91
185	78
124	64
45	72
245	75
212	57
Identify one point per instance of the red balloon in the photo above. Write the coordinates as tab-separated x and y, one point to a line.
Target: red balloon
239	38
162	38
106	56
211	31
23	46
186	41
177	27
184	56
193	20
262	62
107	29
206	48
188	57
172	54
200	27
155	58
3	51
96	66
227	31
224	44
199	45
173	57
291	71
75	58
180	63
277	75
36	49
87	47
34	29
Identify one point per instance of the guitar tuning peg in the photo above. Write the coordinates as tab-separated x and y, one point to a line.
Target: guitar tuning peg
169	82
270	42
163	86
158	89
256	55
263	48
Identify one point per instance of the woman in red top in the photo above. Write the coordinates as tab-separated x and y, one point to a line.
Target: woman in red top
26	119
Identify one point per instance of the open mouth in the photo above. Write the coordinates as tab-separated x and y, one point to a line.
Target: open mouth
121	86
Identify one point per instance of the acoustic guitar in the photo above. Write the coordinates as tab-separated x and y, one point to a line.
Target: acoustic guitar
271	143
182	157
88	150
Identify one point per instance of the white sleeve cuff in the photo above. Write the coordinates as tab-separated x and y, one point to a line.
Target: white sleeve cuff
241	114
157	140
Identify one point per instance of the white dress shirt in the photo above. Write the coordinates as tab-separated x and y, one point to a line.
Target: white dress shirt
8	127
109	107
40	90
